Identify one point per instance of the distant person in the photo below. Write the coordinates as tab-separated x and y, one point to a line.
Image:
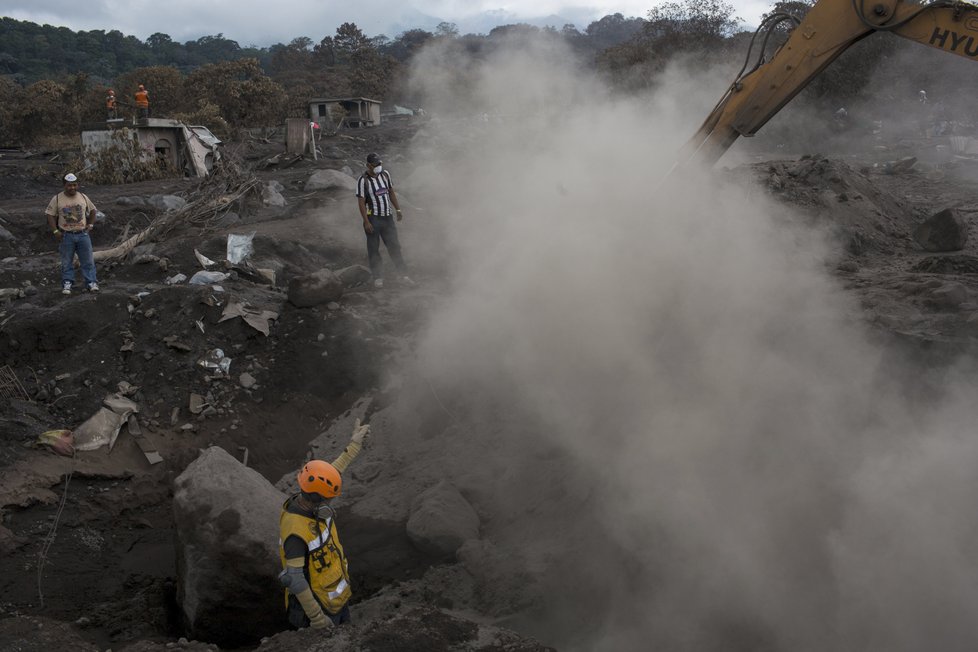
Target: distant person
315	571
922	97
378	203
110	105
71	216
142	103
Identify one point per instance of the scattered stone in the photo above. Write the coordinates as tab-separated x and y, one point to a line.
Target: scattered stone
174	416
327	179
6	235
131	201
272	197
150	313
943	231
246	380
320	337
332	305
318	288
167	203
196	404
189	427
900	166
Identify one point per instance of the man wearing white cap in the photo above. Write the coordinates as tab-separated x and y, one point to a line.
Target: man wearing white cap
71	215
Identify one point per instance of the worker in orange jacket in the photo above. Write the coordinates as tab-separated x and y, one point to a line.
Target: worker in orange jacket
110	105
142	103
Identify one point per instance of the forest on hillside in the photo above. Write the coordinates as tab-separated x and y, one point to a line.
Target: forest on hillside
53	79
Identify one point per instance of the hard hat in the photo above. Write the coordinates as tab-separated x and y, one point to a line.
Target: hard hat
319	477
141	87
373	158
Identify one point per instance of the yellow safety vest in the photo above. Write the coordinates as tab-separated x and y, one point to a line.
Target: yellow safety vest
326	567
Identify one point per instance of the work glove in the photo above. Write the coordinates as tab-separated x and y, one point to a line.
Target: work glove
359	432
320	621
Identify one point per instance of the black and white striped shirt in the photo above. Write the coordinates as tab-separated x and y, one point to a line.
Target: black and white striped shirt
375	190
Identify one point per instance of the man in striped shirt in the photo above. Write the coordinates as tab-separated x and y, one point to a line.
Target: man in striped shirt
378	206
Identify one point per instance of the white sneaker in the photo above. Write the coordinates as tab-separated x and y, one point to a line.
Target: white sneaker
66	288
93	287
378	282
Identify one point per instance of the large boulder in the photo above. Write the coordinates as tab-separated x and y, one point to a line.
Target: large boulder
6	235
943	231
441	520
329	179
226	518
354	275
272	197
315	289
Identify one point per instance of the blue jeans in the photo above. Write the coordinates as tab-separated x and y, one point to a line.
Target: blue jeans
385	230
80	243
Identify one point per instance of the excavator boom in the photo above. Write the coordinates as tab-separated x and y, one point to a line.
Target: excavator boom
830	28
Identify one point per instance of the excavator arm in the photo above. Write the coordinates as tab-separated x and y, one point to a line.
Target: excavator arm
830	27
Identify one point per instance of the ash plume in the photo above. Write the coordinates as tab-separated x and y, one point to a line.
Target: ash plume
698	444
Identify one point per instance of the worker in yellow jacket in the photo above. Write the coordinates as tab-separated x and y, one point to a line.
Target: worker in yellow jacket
315	572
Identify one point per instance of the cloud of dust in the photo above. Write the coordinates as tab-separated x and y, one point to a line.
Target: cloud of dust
751	479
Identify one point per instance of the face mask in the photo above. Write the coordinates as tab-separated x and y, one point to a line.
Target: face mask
378	169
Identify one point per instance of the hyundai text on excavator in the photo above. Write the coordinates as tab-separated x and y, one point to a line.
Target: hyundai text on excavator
829	28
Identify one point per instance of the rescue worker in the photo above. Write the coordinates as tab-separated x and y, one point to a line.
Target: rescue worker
315	572
110	105
142	103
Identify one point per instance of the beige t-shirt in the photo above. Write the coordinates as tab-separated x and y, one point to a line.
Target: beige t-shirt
72	212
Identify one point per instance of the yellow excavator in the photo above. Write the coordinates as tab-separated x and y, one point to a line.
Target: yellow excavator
829	28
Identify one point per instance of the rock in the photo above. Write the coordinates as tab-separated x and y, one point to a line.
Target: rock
322	287
901	166
334	153
949	296
229	219
327	179
441	520
196	404
9	294
226	518
167	203
131	201
246	380
275	185
272	197
6	235
346	170
332	305
354	275
943	231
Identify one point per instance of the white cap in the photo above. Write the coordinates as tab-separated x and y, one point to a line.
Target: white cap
70	178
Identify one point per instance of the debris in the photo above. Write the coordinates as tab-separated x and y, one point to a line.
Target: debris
149	451
246	380
257	319
126	388
172	342
103	427
174	416
176	278
196	403
10	386
204	261
244	457
216	360
239	247
61	377
207	278
200	325
59	441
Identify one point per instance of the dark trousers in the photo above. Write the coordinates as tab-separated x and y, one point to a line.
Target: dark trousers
385	230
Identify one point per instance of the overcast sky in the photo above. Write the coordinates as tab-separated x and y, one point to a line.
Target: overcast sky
265	22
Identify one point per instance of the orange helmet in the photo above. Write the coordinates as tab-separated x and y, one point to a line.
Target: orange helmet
319	477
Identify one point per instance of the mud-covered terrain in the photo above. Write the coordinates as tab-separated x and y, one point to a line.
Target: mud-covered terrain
88	543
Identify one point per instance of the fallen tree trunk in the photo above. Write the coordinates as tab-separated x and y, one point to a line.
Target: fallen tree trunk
121	250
